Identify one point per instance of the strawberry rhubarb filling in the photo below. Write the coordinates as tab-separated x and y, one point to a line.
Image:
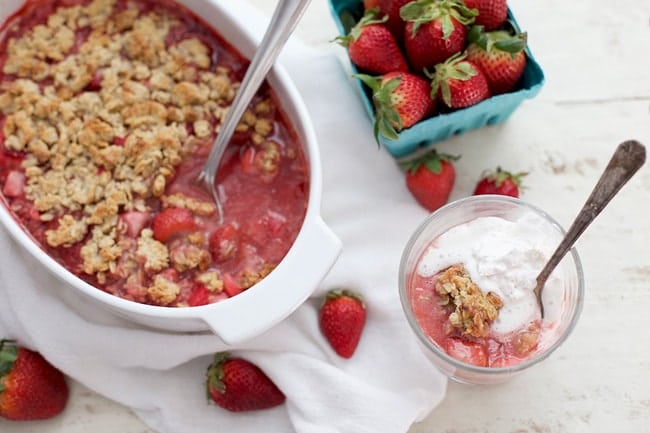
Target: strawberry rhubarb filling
472	290
108	109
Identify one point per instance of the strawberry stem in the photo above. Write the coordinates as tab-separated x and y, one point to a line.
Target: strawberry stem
500	176
509	41
432	160
215	373
8	355
424	11
339	293
454	68
387	119
369	18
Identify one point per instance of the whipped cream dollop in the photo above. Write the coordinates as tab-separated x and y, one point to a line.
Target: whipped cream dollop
501	256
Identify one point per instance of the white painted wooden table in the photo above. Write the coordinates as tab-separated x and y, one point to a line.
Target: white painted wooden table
596	57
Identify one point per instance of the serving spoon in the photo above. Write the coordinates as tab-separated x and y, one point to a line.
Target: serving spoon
286	16
626	160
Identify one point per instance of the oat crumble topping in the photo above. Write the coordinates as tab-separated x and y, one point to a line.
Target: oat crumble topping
104	108
473	310
163	291
251	277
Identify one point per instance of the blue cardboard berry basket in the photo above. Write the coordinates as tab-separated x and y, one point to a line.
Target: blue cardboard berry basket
422	135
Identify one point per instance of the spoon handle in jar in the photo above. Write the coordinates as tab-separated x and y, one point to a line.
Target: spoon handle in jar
626	160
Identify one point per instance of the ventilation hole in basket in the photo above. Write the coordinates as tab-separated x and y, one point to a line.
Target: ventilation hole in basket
493	120
460	131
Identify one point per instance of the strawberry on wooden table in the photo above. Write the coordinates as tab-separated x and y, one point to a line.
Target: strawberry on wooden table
30	387
342	317
434	31
500	182
372	47
491	13
500	55
238	385
459	83
430	179
401	99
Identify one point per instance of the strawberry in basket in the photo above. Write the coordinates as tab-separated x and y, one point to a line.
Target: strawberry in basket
459	83
434	31
500	55
401	99
372	47
491	13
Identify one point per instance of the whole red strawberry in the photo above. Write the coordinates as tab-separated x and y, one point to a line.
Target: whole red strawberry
372	48
30	387
342	317
391	9
500	55
500	182
491	13
434	31
237	385
430	179
401	99
459	83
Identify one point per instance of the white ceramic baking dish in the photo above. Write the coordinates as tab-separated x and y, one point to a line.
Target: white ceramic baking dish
259	308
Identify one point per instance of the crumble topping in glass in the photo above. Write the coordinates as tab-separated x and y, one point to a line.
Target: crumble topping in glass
473	310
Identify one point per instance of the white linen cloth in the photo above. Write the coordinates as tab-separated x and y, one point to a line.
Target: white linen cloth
386	386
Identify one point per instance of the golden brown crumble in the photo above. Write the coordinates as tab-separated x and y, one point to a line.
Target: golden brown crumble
67	233
103	124
198	207
163	291
190	257
473	310
526	340
154	253
211	280
250	277
268	158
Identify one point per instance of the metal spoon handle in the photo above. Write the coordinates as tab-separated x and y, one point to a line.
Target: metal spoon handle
285	18
627	159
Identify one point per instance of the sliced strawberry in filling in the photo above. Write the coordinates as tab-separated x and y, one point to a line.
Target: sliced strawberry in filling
171	222
200	296
14	184
248	161
230	285
135	221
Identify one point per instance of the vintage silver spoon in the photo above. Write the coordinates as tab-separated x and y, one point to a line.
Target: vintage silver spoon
626	160
286	16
